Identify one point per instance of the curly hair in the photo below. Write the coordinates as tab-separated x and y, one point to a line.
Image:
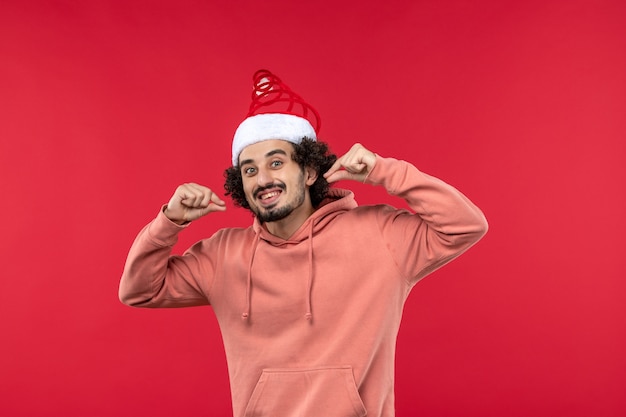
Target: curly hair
308	153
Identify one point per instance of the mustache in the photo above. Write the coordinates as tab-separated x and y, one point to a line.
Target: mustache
268	187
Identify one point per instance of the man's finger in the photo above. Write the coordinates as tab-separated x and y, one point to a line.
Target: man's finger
217	201
336	166
338	176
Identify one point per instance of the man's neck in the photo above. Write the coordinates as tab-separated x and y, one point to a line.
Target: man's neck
286	227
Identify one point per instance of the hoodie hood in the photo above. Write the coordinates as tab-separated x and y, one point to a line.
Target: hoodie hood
336	202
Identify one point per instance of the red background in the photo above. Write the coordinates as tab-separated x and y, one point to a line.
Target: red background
106	106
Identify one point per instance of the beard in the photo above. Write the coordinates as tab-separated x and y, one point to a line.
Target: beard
274	214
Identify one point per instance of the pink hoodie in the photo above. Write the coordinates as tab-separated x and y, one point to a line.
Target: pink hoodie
310	323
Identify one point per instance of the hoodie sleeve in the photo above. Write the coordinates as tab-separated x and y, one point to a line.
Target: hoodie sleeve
444	224
153	277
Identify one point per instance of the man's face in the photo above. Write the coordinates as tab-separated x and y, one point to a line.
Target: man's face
275	186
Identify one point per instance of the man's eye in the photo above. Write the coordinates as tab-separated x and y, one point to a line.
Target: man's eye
249	171
276	163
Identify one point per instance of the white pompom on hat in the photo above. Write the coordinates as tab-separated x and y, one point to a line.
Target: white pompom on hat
276	112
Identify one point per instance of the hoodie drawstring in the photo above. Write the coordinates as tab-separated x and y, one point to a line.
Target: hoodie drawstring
246	312
308	315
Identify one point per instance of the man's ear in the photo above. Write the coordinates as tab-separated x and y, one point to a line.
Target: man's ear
310	176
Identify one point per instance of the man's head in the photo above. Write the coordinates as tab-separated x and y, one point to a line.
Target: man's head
274	177
278	165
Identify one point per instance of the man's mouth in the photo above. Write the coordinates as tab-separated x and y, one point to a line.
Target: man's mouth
269	196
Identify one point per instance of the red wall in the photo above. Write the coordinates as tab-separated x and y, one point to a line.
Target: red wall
106	106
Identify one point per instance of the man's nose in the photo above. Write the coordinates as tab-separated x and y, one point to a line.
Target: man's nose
264	177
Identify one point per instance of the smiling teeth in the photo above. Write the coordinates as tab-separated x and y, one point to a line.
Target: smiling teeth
269	195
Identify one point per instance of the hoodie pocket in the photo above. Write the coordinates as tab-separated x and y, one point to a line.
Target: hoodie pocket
311	392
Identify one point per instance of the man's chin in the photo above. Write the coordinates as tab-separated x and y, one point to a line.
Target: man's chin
271	214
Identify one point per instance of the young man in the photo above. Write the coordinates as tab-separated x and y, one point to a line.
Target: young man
309	298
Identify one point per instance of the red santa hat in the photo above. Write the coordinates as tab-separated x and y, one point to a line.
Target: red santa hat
276	112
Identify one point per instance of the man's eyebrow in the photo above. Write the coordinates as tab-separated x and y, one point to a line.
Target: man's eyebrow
274	152
267	155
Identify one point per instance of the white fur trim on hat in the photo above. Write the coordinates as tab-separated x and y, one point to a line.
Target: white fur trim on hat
268	126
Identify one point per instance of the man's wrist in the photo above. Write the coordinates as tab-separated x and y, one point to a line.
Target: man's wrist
177	222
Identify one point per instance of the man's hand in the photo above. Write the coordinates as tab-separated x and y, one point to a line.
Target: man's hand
192	201
356	164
